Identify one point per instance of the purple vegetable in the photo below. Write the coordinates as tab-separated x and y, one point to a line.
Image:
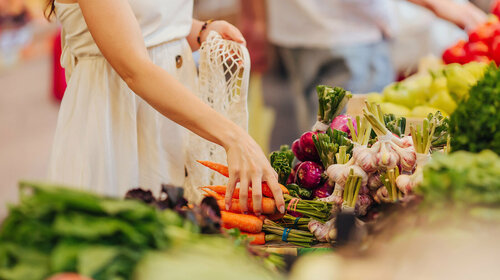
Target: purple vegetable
297	151
291	178
309	174
340	123
307	146
324	191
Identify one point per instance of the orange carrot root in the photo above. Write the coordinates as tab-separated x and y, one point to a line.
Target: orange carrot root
220	168
268	205
247	223
256	238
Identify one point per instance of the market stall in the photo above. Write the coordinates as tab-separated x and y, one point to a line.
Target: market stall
392	187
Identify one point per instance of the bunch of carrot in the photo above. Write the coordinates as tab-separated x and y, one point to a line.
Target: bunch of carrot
252	225
249	224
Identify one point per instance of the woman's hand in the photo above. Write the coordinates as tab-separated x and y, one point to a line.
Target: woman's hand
248	166
225	29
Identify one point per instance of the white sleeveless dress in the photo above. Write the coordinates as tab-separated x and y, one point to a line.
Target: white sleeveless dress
108	139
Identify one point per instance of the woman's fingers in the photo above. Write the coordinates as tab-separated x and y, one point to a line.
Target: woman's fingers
233	178
277	193
244	193
257	194
232	33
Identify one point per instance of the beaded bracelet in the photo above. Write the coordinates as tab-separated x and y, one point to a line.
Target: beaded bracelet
203	27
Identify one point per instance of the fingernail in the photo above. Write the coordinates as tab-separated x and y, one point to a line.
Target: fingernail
282	209
227	207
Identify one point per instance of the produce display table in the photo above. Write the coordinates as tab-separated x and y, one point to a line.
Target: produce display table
283	248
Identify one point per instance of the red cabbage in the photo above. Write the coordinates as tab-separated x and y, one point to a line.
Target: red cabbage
308	174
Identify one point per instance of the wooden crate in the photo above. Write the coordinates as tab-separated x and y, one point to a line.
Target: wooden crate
290	249
357	102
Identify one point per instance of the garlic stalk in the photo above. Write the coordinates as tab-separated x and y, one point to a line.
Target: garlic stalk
389	180
351	190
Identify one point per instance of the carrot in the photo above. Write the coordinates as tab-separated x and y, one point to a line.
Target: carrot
220	168
223	170
256	238
247	223
221	190
266	190
268	205
213	194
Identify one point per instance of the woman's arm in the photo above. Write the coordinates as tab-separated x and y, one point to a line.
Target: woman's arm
127	54
225	29
464	15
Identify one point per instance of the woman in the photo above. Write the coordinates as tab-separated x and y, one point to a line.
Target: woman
127	64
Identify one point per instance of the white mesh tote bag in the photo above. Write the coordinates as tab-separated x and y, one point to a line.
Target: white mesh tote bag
224	71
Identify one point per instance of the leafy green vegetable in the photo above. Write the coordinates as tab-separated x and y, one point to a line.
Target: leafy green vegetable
297	191
441	132
331	102
463	179
475	124
282	161
327	144
396	125
55	229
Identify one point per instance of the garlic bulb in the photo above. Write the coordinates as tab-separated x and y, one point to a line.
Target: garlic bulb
386	158
407	157
323	232
365	158
374	181
406	141
405	183
338	173
362	204
382	196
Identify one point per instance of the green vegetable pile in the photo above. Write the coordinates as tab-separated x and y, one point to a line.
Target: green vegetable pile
462	179
430	90
55	229
475	124
282	161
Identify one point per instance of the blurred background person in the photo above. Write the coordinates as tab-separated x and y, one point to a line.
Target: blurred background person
343	43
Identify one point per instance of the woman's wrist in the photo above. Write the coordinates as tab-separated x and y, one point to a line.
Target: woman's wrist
231	136
203	30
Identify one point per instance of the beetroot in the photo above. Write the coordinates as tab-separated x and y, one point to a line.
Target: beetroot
297	151
291	178
307	146
308	174
340	123
324	191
